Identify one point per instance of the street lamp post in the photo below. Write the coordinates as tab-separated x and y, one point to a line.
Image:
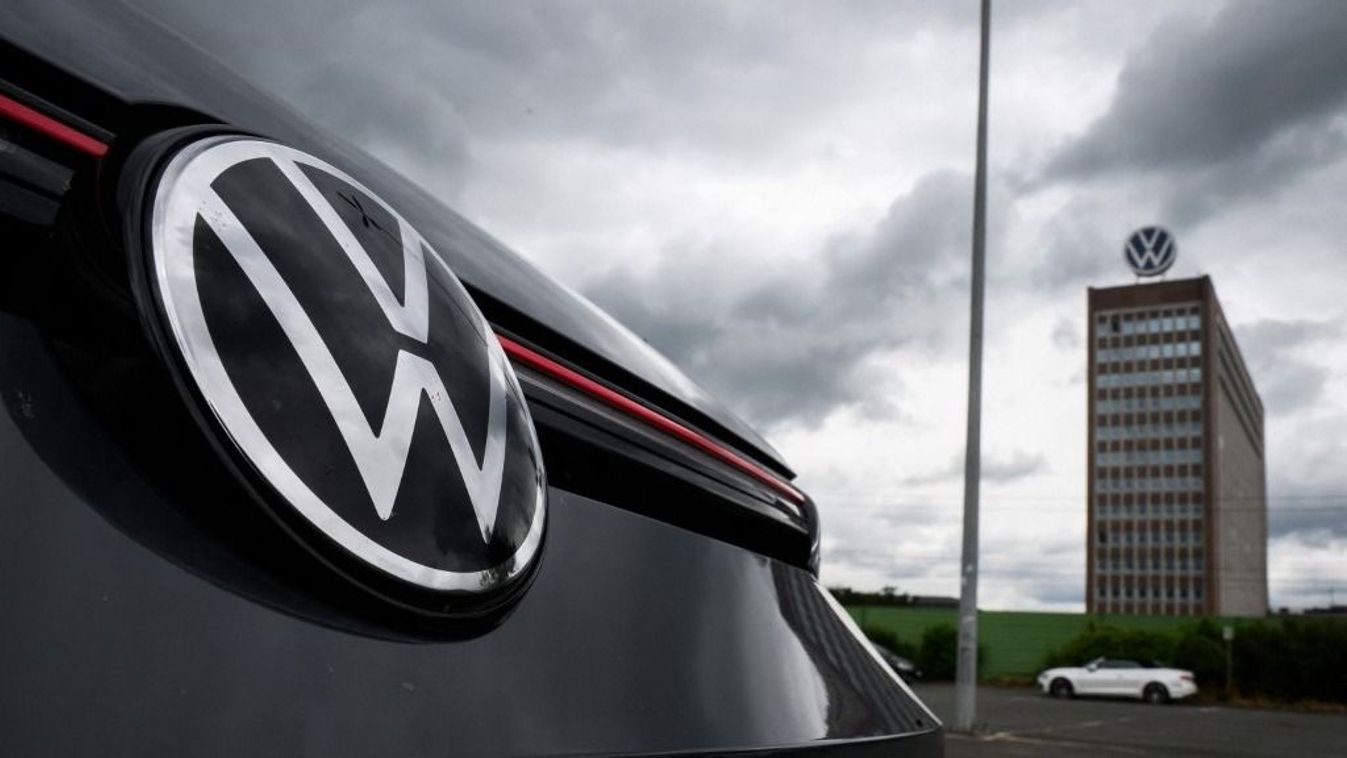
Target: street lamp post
965	694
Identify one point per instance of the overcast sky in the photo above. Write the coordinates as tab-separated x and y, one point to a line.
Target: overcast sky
778	195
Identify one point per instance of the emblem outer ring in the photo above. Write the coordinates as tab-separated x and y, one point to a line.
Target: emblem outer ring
1166	263
177	307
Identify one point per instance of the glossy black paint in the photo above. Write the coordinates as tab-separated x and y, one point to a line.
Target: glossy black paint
135	76
605	455
635	636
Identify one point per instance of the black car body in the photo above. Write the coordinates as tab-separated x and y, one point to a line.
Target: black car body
156	598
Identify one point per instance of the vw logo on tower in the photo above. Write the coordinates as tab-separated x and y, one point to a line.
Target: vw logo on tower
1150	251
344	365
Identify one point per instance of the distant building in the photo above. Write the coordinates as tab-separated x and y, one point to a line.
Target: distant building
1177	484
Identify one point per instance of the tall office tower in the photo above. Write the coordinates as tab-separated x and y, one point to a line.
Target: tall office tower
1177	484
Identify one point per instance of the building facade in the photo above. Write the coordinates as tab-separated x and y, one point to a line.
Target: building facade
1177	484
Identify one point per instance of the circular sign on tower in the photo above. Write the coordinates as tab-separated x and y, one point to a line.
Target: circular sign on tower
1150	251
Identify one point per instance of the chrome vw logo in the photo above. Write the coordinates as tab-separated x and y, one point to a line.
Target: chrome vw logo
347	364
1150	251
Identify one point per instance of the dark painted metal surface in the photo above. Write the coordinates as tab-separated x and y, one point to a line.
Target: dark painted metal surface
148	605
133	60
635	636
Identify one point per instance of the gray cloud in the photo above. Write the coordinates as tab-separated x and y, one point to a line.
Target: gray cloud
996	469
1227	110
1075	250
1019	465
916	569
699	77
1066	334
797	343
1286	381
1313	518
1307	483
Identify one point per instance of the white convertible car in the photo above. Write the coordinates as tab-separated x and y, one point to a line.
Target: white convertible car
1110	677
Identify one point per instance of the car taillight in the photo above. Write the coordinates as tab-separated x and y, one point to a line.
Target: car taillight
1186	678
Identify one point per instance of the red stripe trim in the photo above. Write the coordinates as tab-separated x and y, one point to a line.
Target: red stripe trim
651	418
54	129
17	111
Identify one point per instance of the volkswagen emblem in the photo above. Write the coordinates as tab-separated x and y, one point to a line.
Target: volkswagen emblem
345	369
1150	251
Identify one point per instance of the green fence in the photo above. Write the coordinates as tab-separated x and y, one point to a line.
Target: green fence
1015	641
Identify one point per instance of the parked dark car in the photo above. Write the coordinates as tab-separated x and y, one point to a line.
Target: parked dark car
901	666
297	461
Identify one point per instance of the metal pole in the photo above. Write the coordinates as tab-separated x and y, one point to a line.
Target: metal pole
1229	669
965	692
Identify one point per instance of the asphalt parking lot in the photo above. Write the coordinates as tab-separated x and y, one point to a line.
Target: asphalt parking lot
1023	723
